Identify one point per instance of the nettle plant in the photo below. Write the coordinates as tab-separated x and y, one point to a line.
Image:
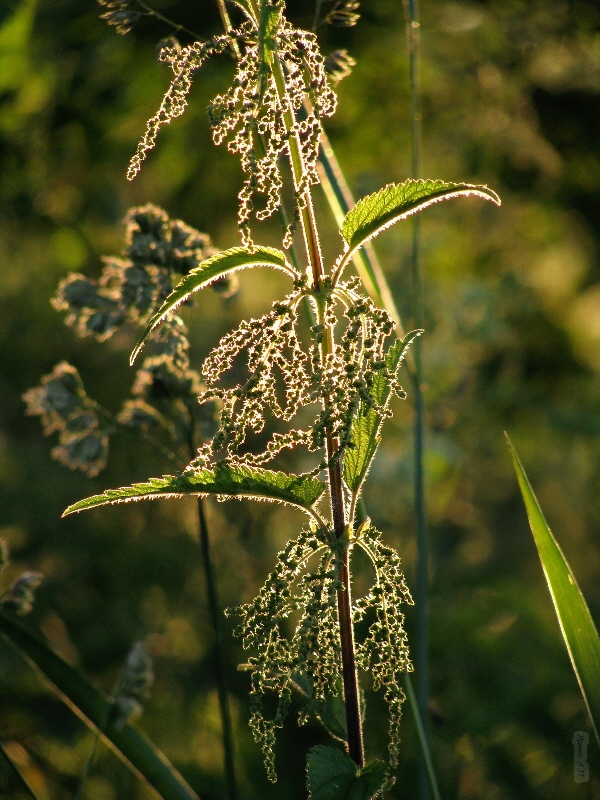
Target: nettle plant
319	370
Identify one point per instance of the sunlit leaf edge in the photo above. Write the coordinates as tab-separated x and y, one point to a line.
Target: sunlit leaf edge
367	422
224	481
374	213
215	267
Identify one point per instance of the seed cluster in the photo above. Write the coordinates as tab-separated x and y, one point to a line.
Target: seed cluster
253	115
280	378
312	650
307	652
384	651
132	286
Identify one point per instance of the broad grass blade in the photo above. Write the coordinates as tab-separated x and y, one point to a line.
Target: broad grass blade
131	746
576	624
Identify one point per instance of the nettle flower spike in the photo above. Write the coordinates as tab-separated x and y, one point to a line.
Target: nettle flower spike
254	117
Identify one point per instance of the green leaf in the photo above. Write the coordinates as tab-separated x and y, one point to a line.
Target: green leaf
270	20
131	746
239	481
576	624
371	780
210	270
330	772
330	711
332	775
396	201
365	431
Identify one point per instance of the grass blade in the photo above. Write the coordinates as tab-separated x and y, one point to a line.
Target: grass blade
576	624
129	744
18	774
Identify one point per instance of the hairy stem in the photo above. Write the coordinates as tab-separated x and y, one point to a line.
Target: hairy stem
315	263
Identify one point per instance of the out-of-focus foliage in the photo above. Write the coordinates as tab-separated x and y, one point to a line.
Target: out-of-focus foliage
511	98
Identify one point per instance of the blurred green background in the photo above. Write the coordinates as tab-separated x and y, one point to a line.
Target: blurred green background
511	98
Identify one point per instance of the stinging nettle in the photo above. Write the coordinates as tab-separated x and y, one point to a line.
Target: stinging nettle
319	372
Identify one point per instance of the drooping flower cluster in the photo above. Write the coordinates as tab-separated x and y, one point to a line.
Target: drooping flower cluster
384	651
136	679
122	14
64	407
313	649
158	250
307	654
280	378
257	115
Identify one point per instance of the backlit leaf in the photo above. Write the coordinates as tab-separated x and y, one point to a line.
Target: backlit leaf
396	201
332	775
211	270
366	424
239	481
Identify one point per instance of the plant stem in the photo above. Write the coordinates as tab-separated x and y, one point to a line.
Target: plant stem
313	252
411	12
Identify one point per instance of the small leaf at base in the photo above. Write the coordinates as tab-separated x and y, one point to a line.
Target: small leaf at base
332	775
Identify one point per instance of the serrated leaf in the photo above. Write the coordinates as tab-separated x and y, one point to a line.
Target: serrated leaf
245	6
332	775
215	267
330	772
239	481
370	781
396	201
576	624
131	746
366	424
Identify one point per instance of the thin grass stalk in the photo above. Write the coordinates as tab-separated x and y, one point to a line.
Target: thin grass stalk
423	743
214	612
411	12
